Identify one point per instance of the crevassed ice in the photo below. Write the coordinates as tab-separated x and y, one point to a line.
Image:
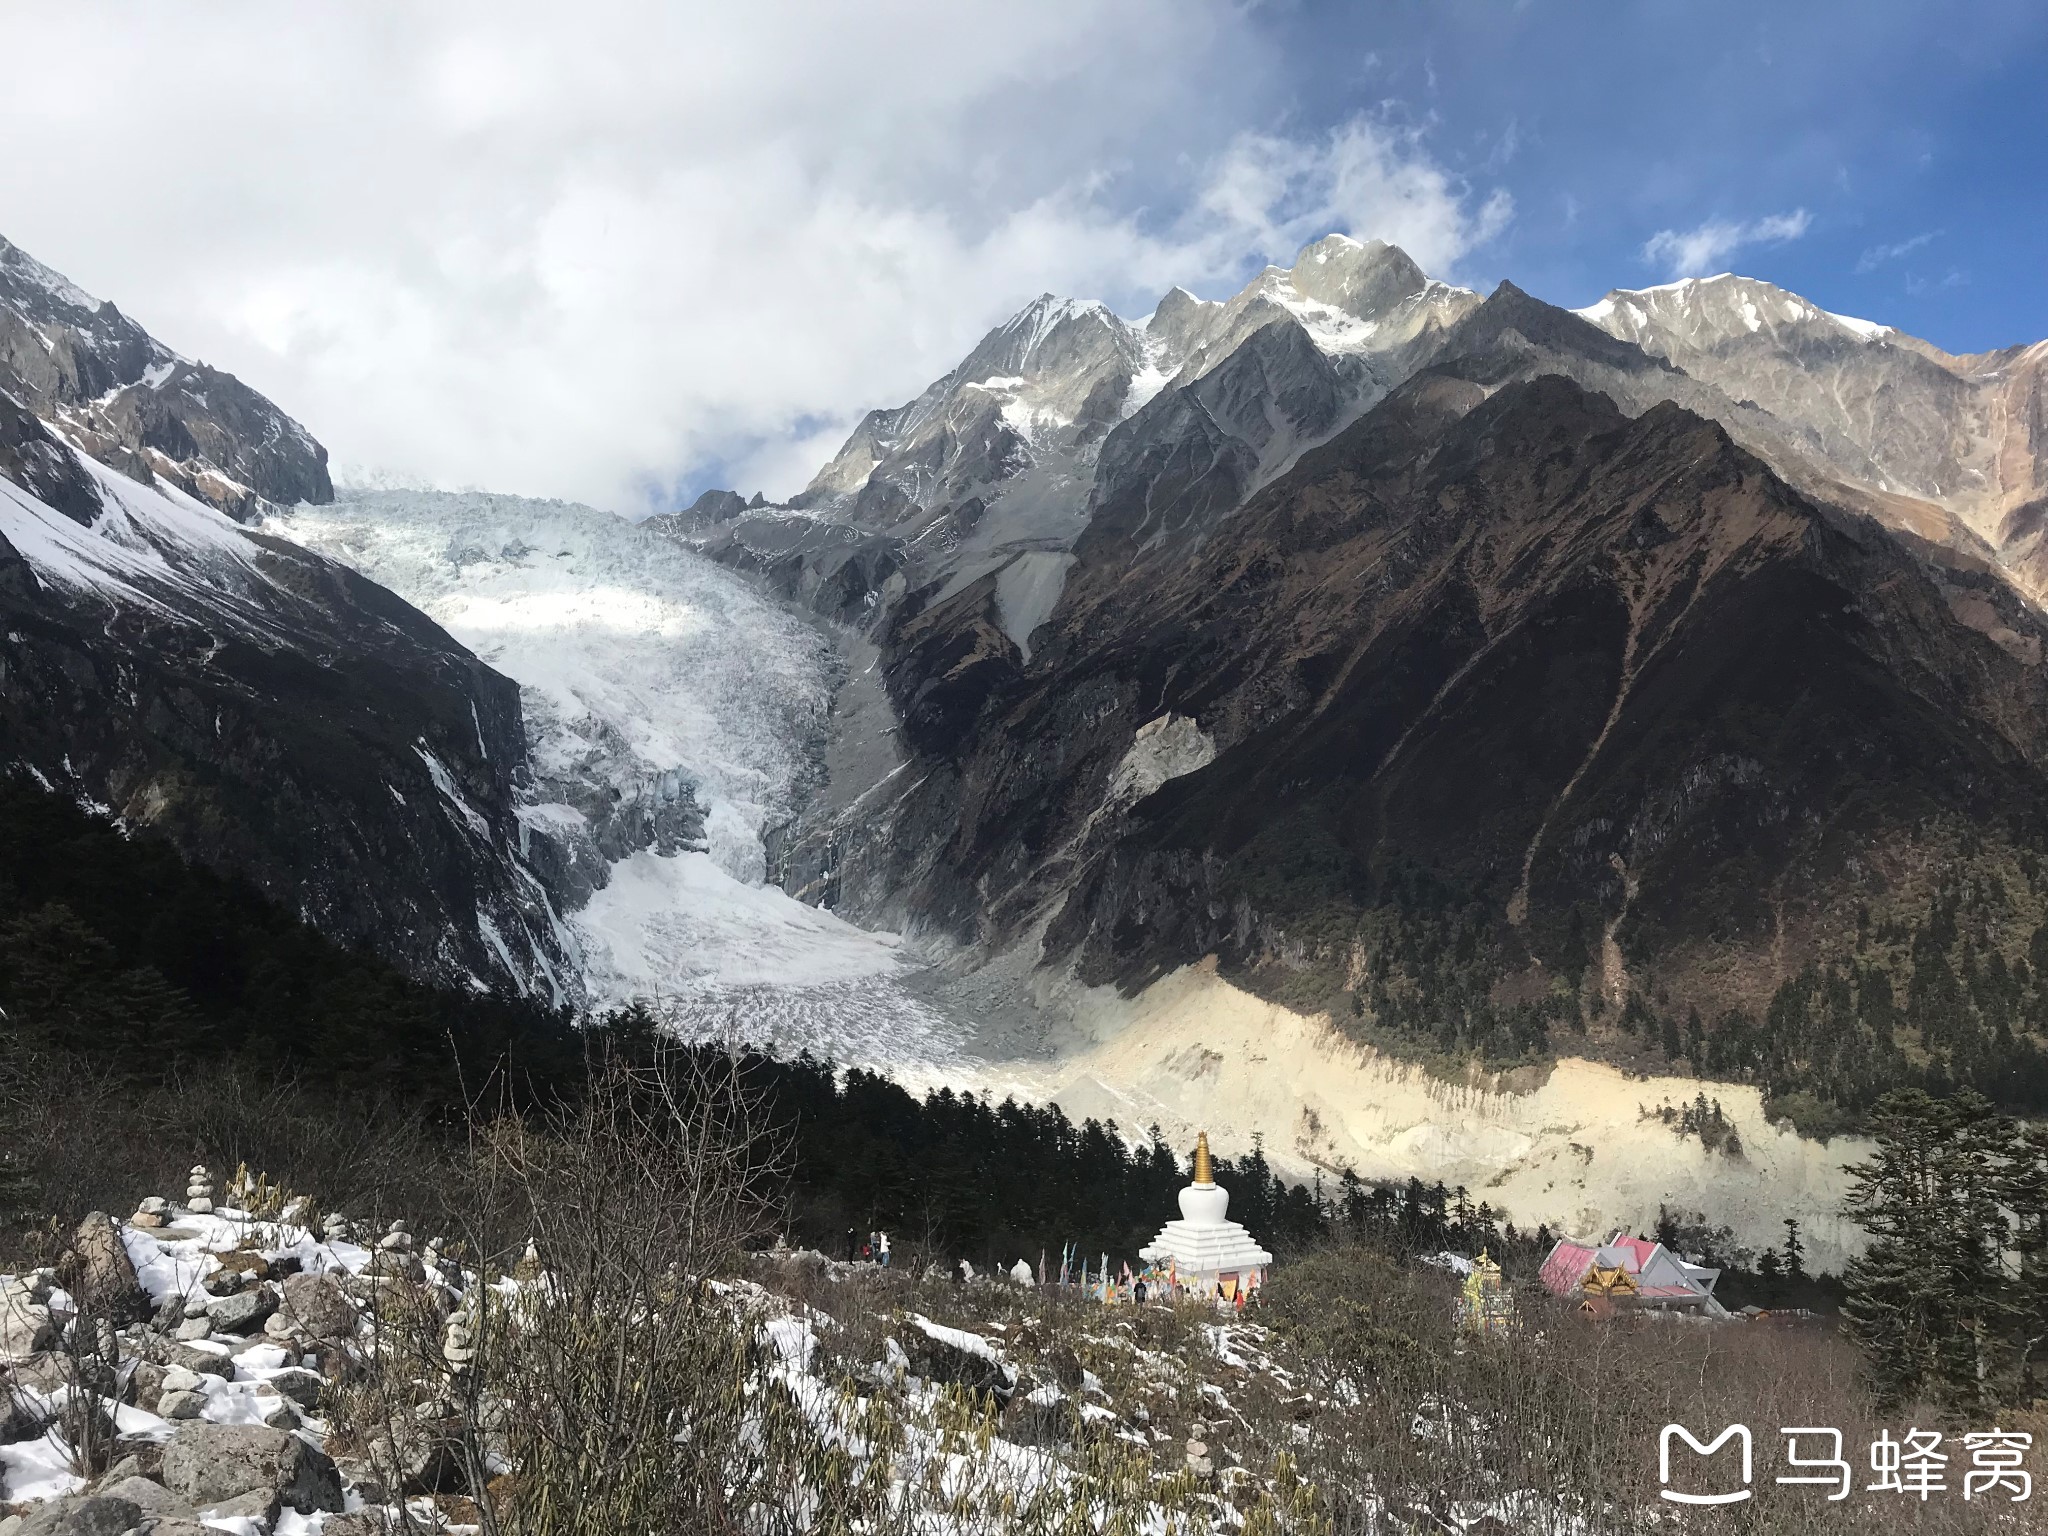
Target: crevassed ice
636	658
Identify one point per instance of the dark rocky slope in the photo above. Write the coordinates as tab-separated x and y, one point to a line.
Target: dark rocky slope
1526	713
268	711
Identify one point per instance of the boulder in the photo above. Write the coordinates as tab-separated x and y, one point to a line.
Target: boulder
181	1405
151	1498
92	1515
280	1412
202	1361
319	1307
129	1465
243	1261
258	1504
244	1313
300	1385
211	1463
25	1327
146	1383
418	1458
955	1362
147	1457
99	1274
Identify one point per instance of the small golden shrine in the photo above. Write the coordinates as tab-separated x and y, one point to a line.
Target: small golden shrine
1485	1306
1608	1281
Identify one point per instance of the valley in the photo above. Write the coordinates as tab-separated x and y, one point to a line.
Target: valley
1510	716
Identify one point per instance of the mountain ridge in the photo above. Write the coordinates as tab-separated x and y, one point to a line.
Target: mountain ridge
113	390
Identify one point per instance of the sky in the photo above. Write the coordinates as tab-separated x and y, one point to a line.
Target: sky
620	252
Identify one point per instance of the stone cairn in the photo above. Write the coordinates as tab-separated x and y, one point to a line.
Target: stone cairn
155	1211
337	1228
199	1190
458	1342
396	1239
440	1267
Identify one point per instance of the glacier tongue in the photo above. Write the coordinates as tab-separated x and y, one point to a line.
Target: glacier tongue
655	681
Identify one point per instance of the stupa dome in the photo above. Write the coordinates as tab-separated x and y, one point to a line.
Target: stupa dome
1205	1246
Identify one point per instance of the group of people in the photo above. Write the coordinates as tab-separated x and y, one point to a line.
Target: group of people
874	1251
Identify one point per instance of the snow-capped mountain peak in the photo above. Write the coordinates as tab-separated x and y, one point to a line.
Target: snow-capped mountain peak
1697	311
117	393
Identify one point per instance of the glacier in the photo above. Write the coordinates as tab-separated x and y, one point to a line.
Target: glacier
646	670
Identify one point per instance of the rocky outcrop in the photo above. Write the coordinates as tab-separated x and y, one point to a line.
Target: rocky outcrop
270	712
123	397
100	1276
997	468
1944	447
210	1464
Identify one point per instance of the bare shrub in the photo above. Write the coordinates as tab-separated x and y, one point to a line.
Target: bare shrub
609	1379
85	1138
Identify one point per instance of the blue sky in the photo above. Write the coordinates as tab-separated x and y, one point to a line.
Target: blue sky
1914	137
624	250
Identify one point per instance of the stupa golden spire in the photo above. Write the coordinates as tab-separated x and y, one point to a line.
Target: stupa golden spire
1202	1159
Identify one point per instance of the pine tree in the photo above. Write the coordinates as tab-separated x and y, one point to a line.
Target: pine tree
14	1180
2025	1194
1795	1250
1928	1300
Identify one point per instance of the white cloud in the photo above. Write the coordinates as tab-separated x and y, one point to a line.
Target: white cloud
590	250
1693	252
1878	255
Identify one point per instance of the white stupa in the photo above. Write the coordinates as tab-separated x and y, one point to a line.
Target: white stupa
1205	1247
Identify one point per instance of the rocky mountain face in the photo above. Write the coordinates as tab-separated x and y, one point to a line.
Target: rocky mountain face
268	710
1953	449
1476	668
1552	659
107	386
994	472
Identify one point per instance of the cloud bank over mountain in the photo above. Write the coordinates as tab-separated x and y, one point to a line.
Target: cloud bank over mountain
609	251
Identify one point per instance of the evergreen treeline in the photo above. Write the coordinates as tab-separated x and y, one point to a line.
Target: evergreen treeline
1950	1301
955	1173
1947	992
113	948
116	953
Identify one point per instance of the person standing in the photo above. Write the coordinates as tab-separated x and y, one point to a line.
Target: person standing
852	1246
884	1251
